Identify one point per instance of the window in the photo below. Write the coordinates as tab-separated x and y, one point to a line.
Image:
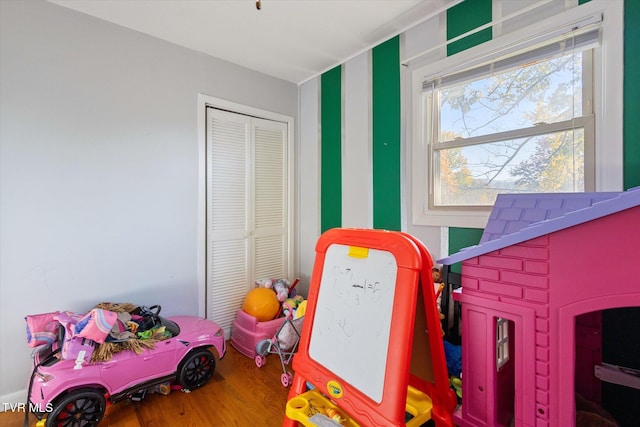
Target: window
517	124
502	342
471	141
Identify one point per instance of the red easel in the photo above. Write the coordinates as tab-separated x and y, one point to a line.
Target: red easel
414	386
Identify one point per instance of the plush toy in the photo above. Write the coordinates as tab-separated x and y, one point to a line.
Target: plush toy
437	275
438	284
289	307
300	311
281	287
294	308
264	283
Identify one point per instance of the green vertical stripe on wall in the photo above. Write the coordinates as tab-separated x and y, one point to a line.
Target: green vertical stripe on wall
461	238
631	103
386	135
464	17
331	149
619	344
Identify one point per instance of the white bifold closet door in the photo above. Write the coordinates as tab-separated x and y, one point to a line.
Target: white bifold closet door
247	209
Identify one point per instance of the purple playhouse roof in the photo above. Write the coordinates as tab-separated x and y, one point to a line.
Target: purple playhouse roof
516	218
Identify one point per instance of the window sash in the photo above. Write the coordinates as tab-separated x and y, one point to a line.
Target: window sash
572	42
586	123
539	129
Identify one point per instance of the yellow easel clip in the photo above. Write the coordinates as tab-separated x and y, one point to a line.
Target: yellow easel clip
358	252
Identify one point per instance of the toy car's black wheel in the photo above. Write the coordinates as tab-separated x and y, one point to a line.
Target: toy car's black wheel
196	369
78	408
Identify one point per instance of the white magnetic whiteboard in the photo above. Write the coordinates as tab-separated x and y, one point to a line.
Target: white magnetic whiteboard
352	321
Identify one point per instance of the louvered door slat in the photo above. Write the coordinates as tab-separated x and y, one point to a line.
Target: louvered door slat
247	208
227	215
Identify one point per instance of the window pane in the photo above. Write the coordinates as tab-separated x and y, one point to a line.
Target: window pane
474	175
543	92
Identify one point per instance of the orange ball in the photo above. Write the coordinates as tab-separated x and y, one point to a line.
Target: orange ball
262	304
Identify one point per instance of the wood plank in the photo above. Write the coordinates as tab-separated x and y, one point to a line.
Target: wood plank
239	394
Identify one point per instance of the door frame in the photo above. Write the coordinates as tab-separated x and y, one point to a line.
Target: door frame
205	101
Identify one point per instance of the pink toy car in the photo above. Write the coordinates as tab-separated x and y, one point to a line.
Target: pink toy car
75	392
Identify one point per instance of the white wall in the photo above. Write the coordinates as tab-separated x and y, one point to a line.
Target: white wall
426	36
357	144
99	167
308	185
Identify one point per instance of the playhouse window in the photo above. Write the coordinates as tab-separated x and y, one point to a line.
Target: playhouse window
502	342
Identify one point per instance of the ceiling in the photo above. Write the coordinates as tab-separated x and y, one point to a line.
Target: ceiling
294	40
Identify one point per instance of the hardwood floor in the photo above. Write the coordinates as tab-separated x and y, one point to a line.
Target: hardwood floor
239	394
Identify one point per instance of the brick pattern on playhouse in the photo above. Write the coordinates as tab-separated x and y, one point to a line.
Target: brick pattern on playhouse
539	265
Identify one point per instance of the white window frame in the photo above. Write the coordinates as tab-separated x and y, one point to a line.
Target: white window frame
607	104
584	43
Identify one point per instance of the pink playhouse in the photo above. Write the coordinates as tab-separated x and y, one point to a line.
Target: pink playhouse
533	291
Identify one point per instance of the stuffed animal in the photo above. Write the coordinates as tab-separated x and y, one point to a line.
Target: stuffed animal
301	310
264	283
438	286
281	287
290	306
437	275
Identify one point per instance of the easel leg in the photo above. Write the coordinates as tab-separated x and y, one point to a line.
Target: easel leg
298	387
